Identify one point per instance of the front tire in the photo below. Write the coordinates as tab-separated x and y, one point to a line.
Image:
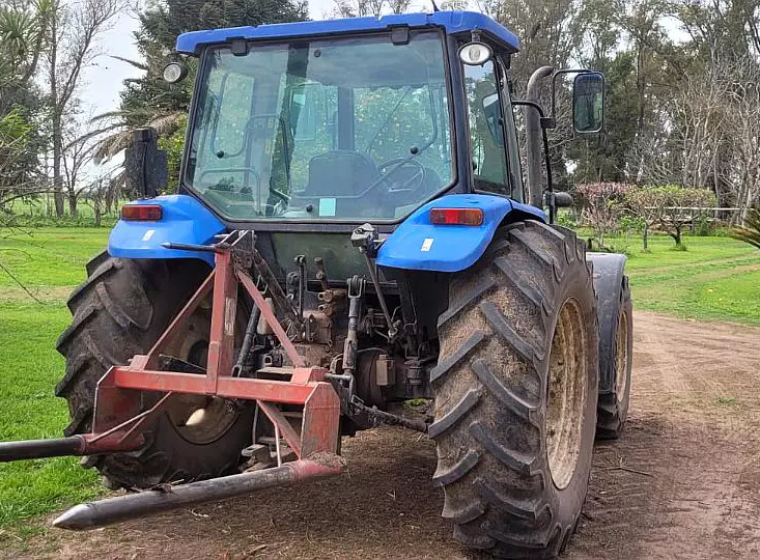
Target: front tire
120	311
516	393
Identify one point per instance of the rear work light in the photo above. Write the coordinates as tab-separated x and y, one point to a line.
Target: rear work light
456	216
141	212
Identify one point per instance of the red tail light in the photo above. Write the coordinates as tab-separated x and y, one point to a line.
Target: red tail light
456	216
141	212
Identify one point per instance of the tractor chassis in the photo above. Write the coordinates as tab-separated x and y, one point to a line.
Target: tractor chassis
118	421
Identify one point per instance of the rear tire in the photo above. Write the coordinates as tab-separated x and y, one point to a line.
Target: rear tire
513	465
612	409
120	311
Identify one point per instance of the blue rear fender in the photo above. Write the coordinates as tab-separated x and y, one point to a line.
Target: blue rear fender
184	220
419	245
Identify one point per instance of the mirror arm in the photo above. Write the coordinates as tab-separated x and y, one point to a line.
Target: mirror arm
549	180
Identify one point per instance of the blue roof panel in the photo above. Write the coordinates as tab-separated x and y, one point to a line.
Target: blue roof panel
452	22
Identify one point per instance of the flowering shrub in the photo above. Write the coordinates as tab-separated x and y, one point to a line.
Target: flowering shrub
602	206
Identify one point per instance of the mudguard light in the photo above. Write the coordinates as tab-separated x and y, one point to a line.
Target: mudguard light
456	216
141	212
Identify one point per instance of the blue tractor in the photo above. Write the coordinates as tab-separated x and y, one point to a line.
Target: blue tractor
352	230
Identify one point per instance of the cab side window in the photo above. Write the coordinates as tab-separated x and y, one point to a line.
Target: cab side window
489	162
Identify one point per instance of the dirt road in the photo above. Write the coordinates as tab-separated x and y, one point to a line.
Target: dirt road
683	482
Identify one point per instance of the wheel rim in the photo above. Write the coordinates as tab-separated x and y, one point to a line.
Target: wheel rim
199	419
568	393
622	358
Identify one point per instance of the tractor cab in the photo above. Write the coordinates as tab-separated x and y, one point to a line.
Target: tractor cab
305	123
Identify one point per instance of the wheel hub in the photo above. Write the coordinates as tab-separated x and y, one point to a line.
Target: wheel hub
567	394
198	419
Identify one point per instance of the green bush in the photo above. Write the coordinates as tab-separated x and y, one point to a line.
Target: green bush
703	226
566	219
631	223
37	221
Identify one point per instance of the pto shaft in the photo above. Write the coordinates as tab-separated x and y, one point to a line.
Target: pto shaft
113	510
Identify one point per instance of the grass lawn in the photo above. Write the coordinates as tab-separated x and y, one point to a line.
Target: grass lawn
717	278
50	263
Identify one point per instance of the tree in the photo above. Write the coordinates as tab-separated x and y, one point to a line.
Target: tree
15	176
78	153
602	206
361	8
22	39
671	207
644	203
73	29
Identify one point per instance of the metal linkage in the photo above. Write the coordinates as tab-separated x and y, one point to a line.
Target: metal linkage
355	301
381	417
365	238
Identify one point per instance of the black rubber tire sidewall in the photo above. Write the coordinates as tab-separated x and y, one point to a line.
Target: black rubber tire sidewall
120	311
613	408
490	422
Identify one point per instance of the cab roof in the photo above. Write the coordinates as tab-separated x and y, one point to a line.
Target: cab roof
452	22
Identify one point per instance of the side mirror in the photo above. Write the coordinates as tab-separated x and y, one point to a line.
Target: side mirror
146	166
588	103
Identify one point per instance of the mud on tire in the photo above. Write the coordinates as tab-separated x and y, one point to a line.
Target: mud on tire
120	311
492	382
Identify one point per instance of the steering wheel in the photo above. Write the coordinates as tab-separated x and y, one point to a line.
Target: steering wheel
411	184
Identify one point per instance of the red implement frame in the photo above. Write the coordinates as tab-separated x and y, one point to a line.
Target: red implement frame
117	403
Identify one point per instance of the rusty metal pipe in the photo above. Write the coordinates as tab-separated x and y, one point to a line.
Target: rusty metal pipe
114	510
41	448
112	441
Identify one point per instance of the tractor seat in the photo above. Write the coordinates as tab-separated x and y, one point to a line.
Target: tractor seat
340	173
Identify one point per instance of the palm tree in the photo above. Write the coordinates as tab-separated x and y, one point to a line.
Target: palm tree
22	39
750	232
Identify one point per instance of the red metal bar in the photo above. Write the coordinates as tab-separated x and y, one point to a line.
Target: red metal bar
304	375
229	387
114	443
223	312
178	321
270	318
